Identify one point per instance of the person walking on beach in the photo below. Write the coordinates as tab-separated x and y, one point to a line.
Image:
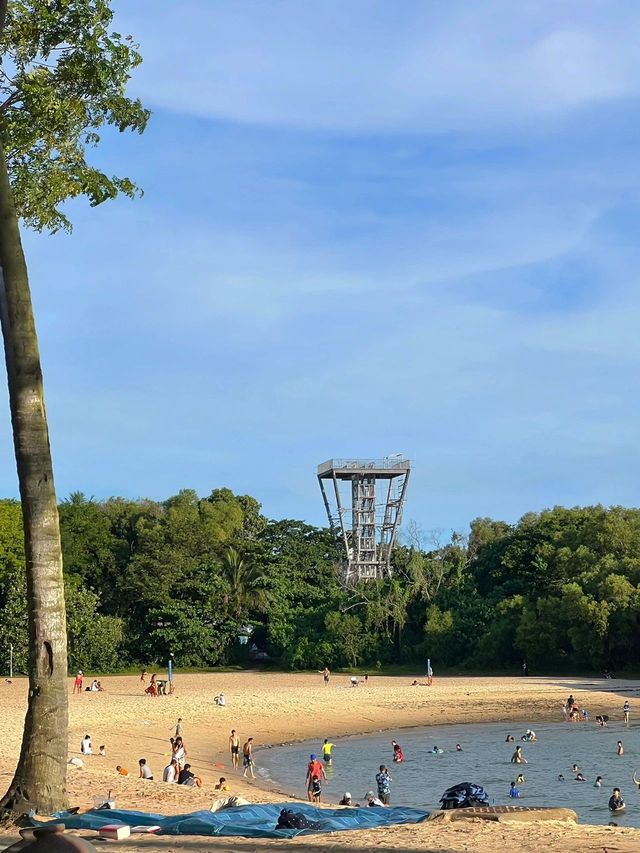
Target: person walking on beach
626	708
518	757
178	731
234	748
143	676
620	748
77	684
247	758
383	781
326	675
315	774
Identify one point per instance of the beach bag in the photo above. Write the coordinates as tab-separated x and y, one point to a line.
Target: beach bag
464	796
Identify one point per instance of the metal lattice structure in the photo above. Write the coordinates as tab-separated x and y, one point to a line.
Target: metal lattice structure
367	512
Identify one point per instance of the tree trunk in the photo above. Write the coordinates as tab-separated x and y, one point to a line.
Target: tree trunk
40	776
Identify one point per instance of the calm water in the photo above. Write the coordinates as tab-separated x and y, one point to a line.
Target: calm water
485	759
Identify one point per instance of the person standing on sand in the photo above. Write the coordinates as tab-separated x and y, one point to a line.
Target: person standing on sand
143	676
77	684
626	708
247	758
178	731
326	675
234	748
85	746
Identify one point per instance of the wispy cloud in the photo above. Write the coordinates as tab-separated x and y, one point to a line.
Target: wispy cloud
372	66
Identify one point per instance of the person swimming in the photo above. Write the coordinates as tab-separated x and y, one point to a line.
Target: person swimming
616	803
518	757
575	768
458	748
580	778
598	782
398	754
560	777
519	779
437	751
509	739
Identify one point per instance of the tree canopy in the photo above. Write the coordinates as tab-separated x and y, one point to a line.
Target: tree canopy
62	83
560	589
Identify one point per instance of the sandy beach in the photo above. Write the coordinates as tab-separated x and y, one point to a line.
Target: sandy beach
278	708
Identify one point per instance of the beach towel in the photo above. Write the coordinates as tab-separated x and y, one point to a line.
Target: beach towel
464	795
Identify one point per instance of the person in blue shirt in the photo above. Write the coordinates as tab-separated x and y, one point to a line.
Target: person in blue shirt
514	793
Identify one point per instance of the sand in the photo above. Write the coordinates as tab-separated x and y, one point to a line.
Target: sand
278	708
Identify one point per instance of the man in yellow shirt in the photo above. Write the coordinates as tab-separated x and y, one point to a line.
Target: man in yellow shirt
326	752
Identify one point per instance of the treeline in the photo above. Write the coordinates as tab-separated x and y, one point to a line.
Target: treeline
560	589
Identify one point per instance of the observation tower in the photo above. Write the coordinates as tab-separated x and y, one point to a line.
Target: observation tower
366	512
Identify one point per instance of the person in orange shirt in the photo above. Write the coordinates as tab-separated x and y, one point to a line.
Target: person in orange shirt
315	772
122	771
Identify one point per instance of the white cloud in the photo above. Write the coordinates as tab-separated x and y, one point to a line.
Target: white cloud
364	65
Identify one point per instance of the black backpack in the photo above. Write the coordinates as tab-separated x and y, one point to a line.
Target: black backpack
464	795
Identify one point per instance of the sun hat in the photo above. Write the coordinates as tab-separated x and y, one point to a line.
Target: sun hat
313	757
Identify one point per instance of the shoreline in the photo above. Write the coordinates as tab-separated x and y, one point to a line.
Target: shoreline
290	708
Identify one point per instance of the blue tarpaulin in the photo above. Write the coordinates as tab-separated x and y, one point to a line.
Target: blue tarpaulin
253	821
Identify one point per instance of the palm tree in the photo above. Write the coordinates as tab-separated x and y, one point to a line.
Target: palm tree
246	582
40	777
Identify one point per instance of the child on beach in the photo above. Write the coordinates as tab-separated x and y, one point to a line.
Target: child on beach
85	746
77	684
178	731
222	785
145	770
102	751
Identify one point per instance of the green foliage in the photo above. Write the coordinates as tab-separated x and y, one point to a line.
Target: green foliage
63	80
560	589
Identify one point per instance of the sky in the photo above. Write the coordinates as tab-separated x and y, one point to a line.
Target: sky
367	228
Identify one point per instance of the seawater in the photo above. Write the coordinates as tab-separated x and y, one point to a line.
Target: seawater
422	778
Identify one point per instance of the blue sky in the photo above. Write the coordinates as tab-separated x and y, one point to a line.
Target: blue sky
368	227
